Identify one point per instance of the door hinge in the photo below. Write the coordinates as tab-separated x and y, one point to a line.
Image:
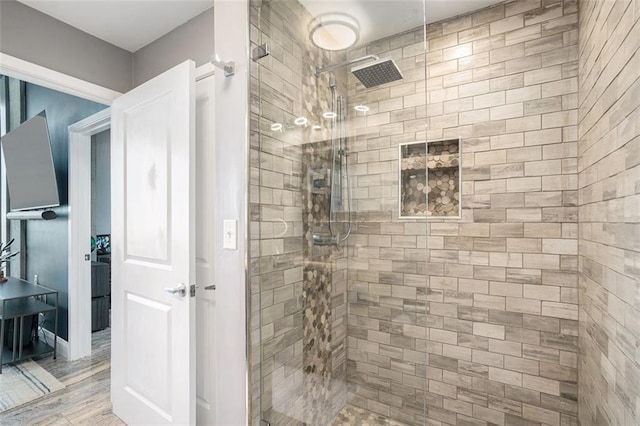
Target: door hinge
192	290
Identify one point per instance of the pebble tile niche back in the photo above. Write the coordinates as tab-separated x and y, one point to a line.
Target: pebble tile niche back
430	179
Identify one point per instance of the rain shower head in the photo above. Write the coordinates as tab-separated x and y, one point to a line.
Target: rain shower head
378	72
371	74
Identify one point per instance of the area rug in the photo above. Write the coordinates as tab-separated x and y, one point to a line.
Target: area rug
24	382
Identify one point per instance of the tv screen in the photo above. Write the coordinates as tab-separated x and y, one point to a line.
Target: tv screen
31	176
103	244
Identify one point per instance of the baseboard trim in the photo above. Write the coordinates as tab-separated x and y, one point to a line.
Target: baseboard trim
62	349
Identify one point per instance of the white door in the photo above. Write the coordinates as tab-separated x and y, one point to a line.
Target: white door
153	250
205	253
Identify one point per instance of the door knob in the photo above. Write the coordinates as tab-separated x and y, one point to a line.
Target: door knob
179	290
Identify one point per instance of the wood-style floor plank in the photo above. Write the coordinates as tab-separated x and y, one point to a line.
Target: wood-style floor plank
86	398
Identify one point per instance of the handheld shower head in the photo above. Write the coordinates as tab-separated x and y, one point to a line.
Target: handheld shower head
377	72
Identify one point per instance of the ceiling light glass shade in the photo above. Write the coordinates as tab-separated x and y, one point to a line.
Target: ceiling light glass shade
334	31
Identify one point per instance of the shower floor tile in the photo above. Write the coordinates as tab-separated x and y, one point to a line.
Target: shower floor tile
354	416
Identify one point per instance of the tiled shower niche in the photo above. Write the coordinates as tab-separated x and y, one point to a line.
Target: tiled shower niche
430	179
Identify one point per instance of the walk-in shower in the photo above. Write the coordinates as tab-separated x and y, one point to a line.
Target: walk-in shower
376	307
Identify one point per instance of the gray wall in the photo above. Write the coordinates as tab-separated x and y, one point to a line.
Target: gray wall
30	35
192	40
101	183
47	241
35	37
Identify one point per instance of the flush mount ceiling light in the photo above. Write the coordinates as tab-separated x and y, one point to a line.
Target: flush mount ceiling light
329	115
334	31
361	108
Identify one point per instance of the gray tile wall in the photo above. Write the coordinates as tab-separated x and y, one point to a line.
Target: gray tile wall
501	321
609	199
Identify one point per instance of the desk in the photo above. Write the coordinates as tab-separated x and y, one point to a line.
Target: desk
18	299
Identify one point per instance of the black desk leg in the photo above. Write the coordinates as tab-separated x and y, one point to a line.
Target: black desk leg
15	339
21	339
55	330
2	335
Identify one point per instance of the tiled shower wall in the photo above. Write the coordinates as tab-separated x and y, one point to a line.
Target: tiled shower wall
609	198
501	325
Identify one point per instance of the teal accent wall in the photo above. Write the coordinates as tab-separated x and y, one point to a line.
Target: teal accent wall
47	241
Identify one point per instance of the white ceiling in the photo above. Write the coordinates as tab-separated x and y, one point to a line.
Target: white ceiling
132	24
129	24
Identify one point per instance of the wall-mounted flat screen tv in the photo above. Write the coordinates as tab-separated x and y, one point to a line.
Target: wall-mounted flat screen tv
31	175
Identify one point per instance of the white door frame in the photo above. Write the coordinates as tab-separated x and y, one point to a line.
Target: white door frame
79	225
45	77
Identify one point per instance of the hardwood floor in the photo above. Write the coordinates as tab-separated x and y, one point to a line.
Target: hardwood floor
85	400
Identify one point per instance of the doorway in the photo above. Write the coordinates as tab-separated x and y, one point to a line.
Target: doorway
101	232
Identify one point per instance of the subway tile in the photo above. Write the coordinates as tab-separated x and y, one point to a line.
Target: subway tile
543	75
507	111
544	44
560	310
509	82
505	376
507	24
529	32
488	330
489	100
506	53
526	93
475	33
541	384
527	306
520	65
458	51
543	14
524	124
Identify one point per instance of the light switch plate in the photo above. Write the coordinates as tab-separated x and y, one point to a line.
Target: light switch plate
230	231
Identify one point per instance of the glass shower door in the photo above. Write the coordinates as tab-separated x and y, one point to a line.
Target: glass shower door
338	279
